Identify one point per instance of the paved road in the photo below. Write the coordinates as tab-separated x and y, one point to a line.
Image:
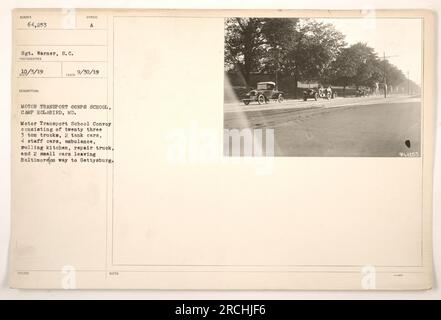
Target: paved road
373	127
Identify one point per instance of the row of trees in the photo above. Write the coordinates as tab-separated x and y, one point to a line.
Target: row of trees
303	50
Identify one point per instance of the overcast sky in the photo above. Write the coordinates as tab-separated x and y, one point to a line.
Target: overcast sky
396	37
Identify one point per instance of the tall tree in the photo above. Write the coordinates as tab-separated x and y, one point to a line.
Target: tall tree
278	34
366	64
256	44
316	45
343	68
244	45
394	76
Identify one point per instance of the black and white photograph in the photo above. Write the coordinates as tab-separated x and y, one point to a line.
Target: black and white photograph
343	87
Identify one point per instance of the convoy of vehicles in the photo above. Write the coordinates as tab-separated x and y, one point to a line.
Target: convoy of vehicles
267	91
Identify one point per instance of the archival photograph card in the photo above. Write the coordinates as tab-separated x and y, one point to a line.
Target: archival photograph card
222	149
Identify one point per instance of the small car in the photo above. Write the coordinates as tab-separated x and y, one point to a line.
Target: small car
325	93
310	94
361	92
264	92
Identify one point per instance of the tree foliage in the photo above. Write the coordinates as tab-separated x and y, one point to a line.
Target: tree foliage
303	50
244	44
316	46
251	44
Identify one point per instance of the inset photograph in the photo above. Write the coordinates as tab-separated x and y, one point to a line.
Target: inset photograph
344	87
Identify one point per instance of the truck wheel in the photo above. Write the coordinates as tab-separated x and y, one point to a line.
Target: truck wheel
261	99
280	98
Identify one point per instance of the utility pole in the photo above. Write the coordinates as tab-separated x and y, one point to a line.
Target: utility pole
277	66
